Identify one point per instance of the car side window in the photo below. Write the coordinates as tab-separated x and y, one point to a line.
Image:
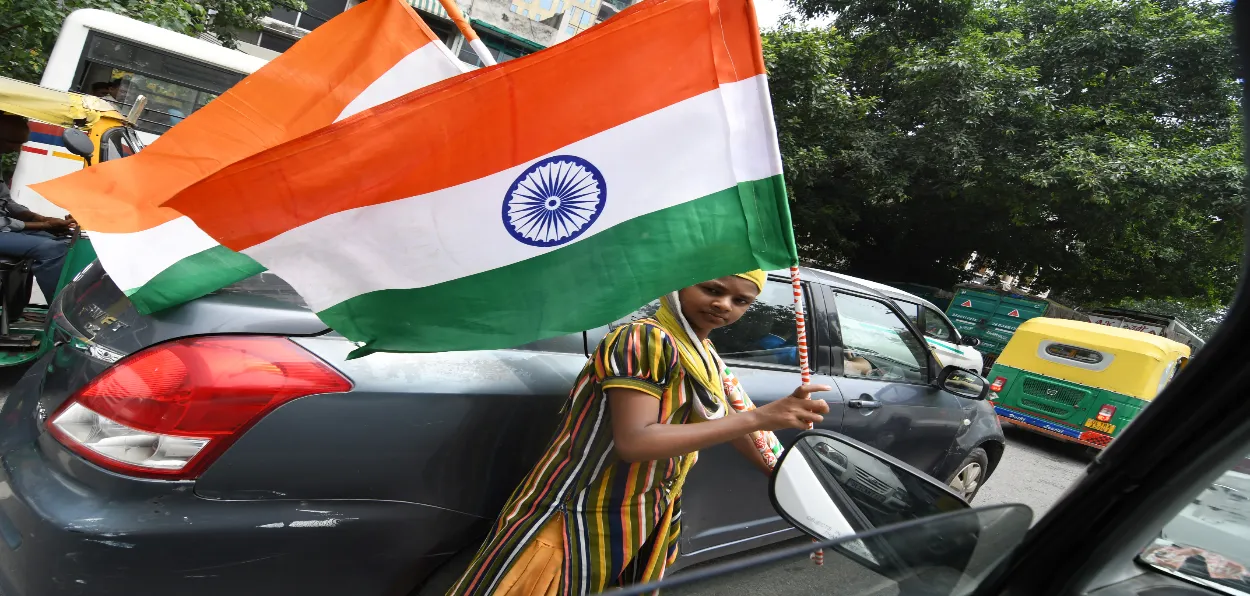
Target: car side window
766	334
876	343
933	325
910	309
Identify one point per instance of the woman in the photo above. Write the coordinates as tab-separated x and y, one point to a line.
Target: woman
601	507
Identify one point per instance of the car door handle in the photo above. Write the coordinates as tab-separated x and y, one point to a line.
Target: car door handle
864	404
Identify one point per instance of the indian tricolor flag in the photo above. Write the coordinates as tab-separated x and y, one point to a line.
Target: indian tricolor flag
543	196
369	55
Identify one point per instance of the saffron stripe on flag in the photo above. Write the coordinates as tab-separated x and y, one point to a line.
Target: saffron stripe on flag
368	55
643	61
679	153
455	222
304	89
180	238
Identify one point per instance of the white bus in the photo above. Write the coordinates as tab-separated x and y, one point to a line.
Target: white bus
119	59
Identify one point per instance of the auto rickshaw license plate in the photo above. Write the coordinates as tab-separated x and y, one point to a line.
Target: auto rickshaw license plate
1100	426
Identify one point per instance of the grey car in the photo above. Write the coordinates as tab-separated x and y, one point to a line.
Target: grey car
229	446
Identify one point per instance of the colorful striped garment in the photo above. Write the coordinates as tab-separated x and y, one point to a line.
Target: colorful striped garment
616	514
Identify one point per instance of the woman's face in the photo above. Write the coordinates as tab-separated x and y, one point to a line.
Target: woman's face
717	302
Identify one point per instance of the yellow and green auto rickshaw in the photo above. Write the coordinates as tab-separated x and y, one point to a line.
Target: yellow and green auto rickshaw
68	131
1080	382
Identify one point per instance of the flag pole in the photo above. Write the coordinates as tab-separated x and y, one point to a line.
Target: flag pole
470	36
800	322
805	369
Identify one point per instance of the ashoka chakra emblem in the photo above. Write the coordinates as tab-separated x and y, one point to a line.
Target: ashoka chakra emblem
554	201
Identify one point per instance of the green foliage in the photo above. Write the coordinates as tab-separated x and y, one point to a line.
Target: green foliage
8	162
1093	144
29	28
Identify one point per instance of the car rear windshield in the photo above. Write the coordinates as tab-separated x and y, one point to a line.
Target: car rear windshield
1082	355
266	284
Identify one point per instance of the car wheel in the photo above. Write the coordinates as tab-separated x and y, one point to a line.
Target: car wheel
970	474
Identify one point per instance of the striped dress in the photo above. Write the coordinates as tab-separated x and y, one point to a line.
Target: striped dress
614	512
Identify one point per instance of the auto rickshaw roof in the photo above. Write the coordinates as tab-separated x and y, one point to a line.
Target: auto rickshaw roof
1137	359
1102	336
61	108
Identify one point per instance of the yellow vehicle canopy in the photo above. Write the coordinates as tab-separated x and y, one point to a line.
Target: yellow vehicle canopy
61	108
1137	360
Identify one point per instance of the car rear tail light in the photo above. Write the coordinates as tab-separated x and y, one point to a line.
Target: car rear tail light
171	409
1106	412
998	384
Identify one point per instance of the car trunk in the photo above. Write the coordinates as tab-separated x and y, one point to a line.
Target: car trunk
94	325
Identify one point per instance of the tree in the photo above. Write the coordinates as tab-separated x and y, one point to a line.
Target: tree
29	27
1092	144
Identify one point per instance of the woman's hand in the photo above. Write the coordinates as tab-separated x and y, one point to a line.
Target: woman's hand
796	410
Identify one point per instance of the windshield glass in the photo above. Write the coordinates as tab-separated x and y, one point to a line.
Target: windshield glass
120	71
935	326
265	284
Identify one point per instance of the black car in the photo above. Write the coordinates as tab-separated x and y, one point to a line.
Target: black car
315	474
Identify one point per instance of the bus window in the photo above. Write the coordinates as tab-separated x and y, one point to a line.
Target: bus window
121	71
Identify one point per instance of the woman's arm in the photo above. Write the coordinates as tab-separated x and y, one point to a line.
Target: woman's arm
639	436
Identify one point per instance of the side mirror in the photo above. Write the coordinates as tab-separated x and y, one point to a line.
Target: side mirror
78	143
970	341
830	486
963	383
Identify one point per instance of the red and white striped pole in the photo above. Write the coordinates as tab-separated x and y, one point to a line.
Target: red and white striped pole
804	365
805	369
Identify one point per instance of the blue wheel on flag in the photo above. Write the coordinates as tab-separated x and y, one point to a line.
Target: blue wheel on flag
554	201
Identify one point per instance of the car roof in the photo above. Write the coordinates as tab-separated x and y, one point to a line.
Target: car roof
835	280
873	287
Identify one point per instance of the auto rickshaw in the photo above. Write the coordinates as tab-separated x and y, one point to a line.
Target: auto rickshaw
1080	382
64	126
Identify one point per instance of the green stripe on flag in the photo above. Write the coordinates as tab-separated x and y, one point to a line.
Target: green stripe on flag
584	284
197	275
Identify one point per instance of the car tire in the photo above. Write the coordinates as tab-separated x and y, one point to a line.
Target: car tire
970	476
443	578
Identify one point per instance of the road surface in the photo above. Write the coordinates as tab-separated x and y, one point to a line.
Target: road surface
1035	471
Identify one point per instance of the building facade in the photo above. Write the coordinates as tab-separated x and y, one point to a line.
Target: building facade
509	28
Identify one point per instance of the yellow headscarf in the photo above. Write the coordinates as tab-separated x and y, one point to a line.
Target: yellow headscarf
756	277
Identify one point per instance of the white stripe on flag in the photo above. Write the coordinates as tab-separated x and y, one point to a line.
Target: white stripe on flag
134	258
676	154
